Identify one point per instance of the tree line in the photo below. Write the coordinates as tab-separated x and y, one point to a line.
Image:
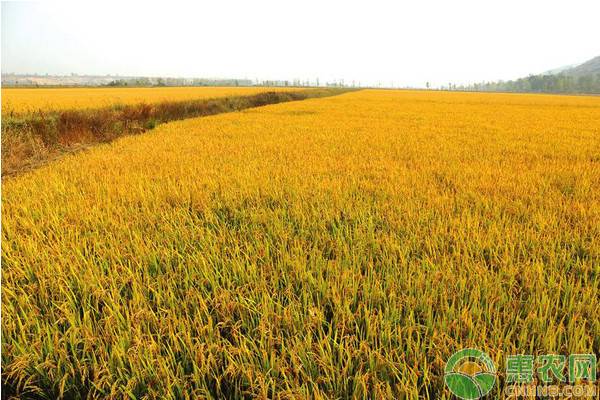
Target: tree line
560	83
142	81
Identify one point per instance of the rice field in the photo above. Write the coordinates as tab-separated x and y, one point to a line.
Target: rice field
332	248
20	101
33	138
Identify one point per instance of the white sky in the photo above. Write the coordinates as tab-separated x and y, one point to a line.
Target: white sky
407	43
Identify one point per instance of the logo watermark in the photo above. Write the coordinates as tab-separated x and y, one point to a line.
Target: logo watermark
470	374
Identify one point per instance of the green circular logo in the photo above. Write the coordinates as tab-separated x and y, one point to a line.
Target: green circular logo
470	374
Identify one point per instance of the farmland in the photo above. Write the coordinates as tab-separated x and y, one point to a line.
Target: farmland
23	101
42	125
333	247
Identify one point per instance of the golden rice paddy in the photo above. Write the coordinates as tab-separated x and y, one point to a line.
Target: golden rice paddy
341	247
25	100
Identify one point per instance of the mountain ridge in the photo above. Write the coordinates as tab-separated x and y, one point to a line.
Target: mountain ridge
583	78
590	67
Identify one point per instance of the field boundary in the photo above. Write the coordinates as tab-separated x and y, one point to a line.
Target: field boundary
32	140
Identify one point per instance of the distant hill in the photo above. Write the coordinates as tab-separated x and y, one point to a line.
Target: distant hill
591	67
582	78
555	71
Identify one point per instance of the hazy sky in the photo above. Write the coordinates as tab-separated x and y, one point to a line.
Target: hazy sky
408	43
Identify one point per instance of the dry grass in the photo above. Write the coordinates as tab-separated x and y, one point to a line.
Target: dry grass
330	248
